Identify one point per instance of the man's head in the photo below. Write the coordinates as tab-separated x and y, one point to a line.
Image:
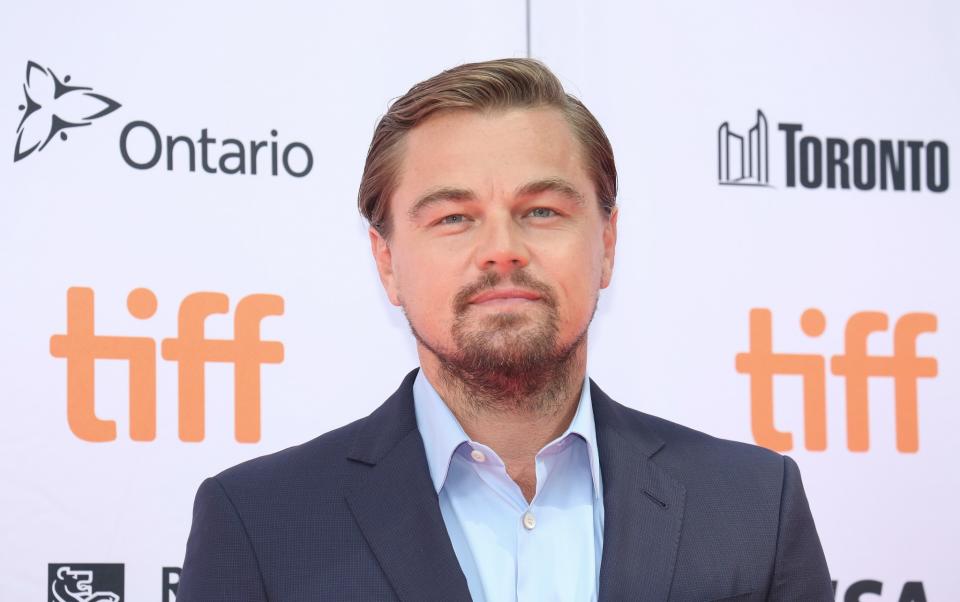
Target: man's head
491	195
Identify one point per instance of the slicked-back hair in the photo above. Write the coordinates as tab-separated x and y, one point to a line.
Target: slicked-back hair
487	86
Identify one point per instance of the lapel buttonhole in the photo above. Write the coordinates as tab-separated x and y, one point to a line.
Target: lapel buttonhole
655	499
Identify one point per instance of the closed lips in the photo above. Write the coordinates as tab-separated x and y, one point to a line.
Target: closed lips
502	294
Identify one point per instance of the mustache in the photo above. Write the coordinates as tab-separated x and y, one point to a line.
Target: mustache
490	280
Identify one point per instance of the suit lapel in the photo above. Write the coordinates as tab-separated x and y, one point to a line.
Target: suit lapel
396	506
397	510
643	506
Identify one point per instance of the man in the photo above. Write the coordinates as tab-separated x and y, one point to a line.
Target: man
498	470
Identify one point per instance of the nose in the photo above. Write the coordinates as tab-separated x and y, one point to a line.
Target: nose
500	246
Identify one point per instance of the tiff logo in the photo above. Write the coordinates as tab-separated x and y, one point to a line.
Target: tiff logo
81	347
856	365
744	160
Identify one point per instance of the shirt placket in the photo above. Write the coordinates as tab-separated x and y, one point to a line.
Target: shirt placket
533	534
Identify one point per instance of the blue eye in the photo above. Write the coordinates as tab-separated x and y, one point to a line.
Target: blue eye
453	219
542	212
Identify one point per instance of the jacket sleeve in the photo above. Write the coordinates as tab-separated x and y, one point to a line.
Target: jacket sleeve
220	563
800	569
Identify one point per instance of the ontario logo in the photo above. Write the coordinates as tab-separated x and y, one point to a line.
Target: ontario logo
85	583
811	161
53	105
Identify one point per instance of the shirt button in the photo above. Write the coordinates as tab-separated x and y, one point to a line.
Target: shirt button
478	455
529	520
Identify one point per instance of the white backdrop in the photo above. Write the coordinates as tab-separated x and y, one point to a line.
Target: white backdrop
695	256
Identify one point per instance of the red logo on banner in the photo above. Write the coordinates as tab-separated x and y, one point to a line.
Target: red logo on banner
81	347
855	365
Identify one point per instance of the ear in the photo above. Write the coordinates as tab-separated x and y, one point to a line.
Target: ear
609	247
384	259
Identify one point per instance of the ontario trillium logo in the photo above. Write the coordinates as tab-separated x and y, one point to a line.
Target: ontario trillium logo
51	106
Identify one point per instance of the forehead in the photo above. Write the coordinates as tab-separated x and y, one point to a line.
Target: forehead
489	152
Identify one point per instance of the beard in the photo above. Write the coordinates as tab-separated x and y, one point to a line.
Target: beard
512	360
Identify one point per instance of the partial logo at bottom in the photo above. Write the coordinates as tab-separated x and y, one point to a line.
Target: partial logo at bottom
85	583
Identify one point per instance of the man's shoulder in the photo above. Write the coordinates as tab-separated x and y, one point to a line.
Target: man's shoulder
690	454
329	465
332	462
721	478
320	464
319	449
701	443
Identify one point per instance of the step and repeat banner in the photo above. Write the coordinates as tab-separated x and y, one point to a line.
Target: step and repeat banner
187	283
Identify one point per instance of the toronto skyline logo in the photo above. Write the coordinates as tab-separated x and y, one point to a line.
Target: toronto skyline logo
51	106
744	160
812	160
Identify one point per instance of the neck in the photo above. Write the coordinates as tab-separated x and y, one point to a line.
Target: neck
514	419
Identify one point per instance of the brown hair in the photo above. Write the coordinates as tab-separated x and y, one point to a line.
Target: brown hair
490	85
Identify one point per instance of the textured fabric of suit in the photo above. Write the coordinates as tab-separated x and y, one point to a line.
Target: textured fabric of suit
353	515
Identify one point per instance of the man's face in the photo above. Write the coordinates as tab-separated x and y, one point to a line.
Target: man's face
498	246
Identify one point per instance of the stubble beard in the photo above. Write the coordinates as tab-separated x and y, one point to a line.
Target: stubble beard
510	361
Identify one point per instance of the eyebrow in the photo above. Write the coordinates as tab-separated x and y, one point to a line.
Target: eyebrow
558	185
447	193
444	193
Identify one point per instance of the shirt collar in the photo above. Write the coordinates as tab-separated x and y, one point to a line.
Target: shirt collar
442	434
439	429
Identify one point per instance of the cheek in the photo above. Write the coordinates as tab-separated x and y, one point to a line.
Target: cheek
426	286
576	276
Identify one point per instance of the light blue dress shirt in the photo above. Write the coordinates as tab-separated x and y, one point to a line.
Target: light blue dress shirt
549	549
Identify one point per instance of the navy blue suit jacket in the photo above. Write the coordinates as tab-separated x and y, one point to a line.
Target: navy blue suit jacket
353	515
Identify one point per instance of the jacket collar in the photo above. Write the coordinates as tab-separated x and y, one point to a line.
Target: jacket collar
398	512
643	506
396	507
